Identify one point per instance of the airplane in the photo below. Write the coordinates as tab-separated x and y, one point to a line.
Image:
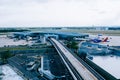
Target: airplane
99	39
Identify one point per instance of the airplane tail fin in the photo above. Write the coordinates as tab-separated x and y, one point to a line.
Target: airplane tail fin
105	40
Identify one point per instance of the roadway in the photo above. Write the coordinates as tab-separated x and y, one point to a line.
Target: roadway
76	68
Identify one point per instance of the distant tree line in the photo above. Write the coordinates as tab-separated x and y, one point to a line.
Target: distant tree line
114	28
12	30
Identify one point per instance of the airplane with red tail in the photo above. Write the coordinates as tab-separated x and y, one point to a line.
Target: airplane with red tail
98	40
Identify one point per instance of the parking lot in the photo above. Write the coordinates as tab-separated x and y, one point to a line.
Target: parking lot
54	64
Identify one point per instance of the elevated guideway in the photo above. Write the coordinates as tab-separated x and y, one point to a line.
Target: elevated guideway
79	70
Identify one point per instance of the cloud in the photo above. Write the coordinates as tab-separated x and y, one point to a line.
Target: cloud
59	12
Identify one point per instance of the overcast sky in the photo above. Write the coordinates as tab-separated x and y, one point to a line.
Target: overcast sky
59	13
